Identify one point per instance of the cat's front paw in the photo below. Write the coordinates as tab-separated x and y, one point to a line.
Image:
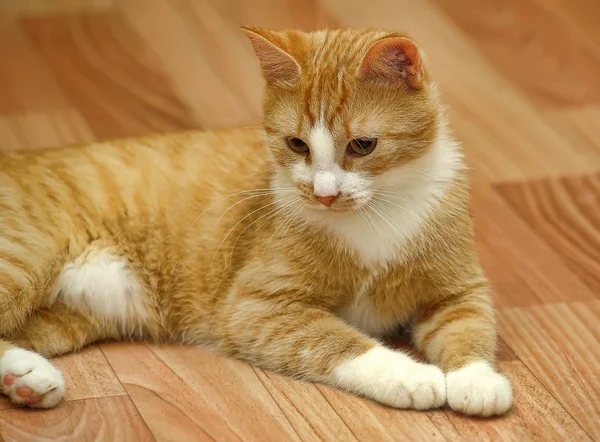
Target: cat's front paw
29	379
394	379
422	387
478	390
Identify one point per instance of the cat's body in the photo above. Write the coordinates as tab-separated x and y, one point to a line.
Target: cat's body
216	239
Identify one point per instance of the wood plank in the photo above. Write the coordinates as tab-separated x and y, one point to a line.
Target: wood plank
109	74
103	419
560	344
523	268
14	7
207	396
368	420
43	130
582	14
565	212
26	81
554	64
163	398
308	15
88	375
232	389
187	50
580	124
536	415
504	136
306	409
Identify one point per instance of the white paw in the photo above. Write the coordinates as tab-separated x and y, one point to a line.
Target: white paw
478	390
394	379
30	379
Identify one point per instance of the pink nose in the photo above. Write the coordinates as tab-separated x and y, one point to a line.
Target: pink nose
326	200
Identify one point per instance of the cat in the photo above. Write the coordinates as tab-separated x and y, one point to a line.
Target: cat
295	246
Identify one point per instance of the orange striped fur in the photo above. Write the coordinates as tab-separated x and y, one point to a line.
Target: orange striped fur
208	238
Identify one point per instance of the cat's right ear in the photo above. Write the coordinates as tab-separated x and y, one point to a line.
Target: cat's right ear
277	65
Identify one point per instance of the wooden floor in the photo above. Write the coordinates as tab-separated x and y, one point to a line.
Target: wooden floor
522	79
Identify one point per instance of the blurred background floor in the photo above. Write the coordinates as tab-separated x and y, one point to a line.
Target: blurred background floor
522	80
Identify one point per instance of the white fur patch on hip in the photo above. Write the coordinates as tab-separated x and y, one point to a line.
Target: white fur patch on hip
102	284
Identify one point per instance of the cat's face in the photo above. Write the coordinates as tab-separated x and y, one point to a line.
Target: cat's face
345	112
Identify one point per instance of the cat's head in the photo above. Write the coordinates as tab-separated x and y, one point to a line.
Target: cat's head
345	112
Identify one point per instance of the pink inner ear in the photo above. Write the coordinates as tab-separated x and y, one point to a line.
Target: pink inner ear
392	59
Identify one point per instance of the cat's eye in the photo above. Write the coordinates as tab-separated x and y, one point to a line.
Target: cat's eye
297	145
361	146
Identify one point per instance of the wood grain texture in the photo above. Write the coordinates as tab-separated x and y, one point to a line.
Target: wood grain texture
17	7
211	396
523	268
105	419
533	45
521	81
566	213
26	81
108	74
560	344
536	416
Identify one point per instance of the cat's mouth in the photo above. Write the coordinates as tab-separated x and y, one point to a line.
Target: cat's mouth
342	207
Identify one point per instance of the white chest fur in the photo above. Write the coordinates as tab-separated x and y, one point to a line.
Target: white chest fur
400	203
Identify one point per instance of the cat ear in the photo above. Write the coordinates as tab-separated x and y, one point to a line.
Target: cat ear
277	65
393	58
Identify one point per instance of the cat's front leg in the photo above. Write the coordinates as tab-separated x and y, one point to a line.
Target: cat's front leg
313	344
459	334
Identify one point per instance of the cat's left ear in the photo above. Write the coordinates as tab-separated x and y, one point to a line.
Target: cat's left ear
394	59
277	64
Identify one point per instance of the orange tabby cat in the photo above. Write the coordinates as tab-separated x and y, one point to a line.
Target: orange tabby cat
292	247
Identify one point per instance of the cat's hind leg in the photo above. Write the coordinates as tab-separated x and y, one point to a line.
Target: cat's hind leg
30	261
59	330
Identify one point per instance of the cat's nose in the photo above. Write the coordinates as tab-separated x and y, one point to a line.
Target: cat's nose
326	200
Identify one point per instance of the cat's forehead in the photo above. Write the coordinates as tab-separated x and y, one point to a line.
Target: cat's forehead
333	51
329	76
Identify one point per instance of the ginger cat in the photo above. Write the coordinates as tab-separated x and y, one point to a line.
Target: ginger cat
293	248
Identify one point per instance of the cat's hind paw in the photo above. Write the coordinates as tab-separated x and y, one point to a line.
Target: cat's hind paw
478	390
29	379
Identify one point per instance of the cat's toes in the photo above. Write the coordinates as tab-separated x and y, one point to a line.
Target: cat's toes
394	379
478	390
30	379
426	385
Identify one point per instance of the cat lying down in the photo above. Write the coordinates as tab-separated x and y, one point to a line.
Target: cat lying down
293	247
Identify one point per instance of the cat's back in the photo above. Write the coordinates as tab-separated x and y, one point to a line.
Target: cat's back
215	159
206	148
138	178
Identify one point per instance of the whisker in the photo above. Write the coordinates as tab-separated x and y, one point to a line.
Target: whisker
296	213
367	217
283	223
391	195
241	201
237	224
420	218
244	192
274	212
